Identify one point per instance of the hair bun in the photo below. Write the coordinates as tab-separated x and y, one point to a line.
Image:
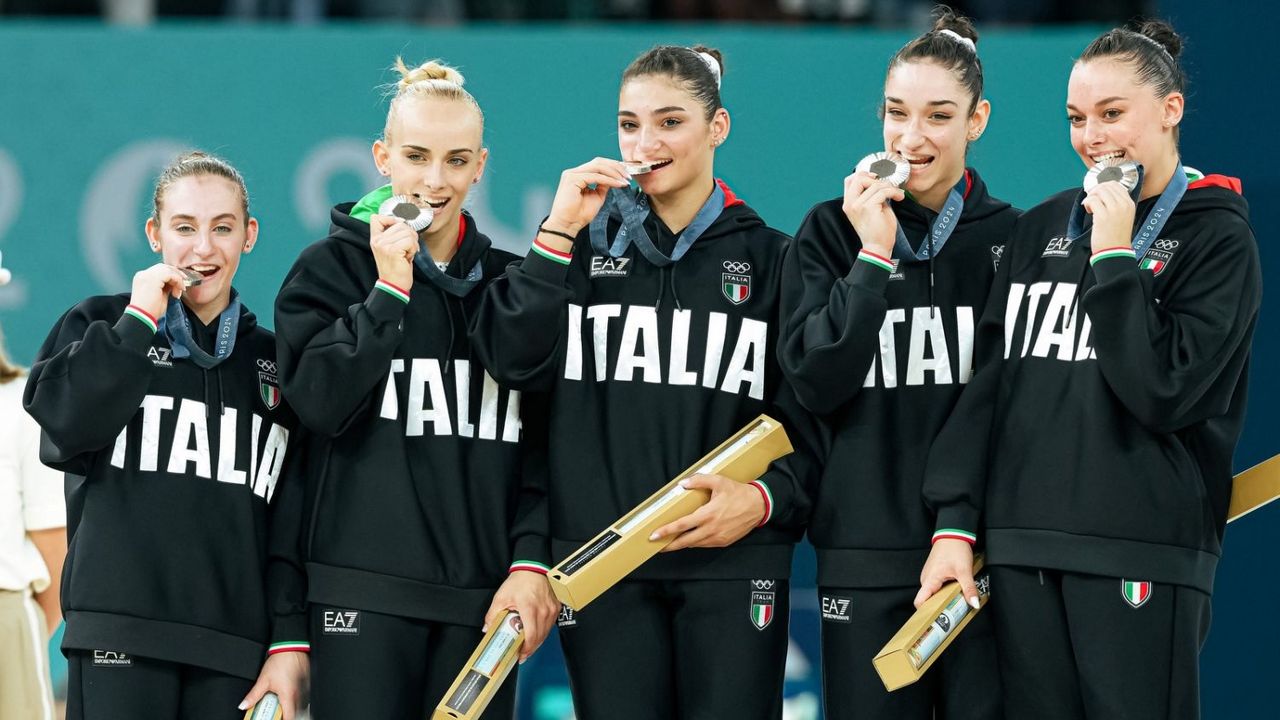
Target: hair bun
719	56
427	71
944	18
1163	33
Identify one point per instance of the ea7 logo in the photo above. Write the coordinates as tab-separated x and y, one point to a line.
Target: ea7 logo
160	356
111	658
341	622
610	267
836	609
567	618
1057	247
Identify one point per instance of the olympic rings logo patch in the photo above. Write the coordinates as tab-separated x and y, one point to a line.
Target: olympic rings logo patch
737	268
1165	244
267	366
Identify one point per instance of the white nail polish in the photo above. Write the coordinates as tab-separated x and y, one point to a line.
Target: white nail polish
975	603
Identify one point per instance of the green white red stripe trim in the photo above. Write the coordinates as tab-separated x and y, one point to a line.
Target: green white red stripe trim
1110	253
954	534
142	315
395	292
529	566
881	262
551	253
768	501
289	646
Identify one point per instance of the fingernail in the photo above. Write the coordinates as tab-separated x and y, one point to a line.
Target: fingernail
244	706
522	661
654	536
685	483
975	603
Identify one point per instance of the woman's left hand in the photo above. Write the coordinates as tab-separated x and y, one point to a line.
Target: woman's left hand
734	510
1113	212
286	674
529	594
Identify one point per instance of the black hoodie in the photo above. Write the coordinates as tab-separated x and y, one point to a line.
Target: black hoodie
882	355
423	493
182	510
649	369
1097	434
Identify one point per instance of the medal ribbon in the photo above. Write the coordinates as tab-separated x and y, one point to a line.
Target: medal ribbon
633	210
177	328
1151	226
942	228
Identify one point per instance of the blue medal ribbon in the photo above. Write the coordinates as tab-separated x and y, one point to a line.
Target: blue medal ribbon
1156	218
458	287
177	328
942	228
632	210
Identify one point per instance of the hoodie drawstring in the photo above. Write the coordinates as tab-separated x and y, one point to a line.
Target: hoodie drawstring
674	293
932	306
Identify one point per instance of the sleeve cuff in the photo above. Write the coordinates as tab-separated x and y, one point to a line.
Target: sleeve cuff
289	646
1112	262
289	634
957	522
531	548
546	264
870	271
136	328
386	303
528	566
768	501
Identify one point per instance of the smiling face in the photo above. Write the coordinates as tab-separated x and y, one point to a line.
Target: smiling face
202	227
433	155
927	121
660	123
1113	116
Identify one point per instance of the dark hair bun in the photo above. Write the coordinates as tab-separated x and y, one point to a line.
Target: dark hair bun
944	18
719	56
1163	33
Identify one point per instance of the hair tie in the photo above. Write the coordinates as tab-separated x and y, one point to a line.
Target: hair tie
1155	42
960	39
712	64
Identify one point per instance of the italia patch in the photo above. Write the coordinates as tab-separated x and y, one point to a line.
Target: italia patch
1136	592
268	385
996	252
566	618
1159	255
341	622
1057	247
762	601
735	282
111	658
836	609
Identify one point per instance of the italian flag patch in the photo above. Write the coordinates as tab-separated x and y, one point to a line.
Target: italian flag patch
1155	266
1135	592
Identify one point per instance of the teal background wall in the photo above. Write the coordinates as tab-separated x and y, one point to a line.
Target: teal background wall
91	114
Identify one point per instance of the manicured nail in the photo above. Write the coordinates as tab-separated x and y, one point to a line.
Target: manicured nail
244	705
975	603
654	536
685	483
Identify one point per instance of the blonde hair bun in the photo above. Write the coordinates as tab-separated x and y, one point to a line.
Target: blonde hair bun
427	72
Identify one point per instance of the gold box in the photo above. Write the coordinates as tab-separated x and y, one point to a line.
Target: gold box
921	640
1254	488
625	545
485	671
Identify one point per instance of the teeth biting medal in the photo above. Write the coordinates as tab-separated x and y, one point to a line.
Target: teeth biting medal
886	166
639	168
418	218
1118	170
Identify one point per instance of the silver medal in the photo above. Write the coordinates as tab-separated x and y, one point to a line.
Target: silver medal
886	166
418	218
190	278
1124	172
638	168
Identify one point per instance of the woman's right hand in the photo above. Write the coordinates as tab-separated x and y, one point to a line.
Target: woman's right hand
394	244
866	204
581	193
949	559
153	287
